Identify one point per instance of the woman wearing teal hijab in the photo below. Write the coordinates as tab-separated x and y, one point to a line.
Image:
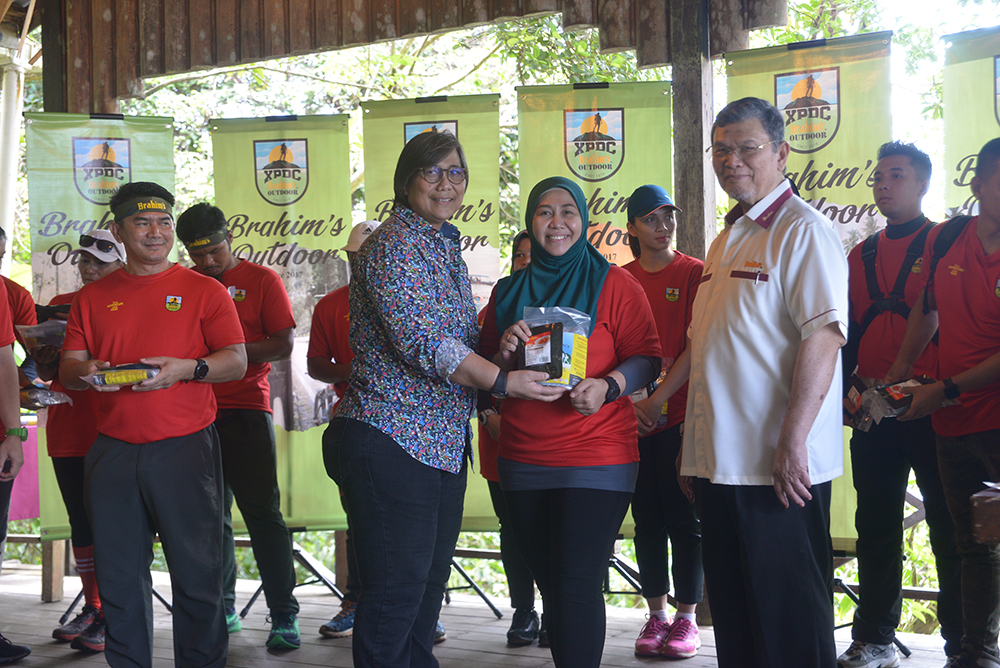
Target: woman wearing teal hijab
567	468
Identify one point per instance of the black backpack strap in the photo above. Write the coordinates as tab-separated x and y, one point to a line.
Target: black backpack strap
942	244
897	298
869	251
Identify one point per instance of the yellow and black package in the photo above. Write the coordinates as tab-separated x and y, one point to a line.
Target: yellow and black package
575	327
126	374
543	350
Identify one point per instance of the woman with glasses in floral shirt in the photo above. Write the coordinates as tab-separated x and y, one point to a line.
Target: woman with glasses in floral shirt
398	441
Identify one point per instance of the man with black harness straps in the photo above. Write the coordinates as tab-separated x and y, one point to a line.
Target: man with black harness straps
885	283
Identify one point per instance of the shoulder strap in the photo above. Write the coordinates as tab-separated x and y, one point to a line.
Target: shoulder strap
942	244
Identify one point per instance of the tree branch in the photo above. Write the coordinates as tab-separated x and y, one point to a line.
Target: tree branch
469	73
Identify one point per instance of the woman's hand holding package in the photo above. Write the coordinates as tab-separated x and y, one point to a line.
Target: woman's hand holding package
506	357
526	385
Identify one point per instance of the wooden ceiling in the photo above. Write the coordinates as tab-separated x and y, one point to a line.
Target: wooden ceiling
98	51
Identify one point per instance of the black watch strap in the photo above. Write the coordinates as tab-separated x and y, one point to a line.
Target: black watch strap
613	390
499	389
200	369
951	390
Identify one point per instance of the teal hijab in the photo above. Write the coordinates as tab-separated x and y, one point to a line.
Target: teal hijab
573	279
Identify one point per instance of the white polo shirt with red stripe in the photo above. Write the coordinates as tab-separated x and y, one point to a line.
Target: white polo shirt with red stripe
774	276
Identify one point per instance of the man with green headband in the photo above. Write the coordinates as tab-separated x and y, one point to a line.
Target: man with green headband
243	421
156	466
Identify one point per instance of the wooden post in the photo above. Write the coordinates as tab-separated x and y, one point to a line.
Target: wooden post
693	113
53	564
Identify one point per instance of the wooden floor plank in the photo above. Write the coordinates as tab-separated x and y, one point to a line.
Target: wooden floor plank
475	636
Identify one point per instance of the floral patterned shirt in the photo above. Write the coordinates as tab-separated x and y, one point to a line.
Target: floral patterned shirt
413	321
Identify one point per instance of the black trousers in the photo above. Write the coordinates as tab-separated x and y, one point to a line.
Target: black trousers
250	469
519	580
566	537
171	487
881	460
69	475
769	573
661	513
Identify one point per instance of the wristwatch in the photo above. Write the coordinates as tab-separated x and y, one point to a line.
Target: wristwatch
21	432
951	390
499	389
613	390
484	415
200	369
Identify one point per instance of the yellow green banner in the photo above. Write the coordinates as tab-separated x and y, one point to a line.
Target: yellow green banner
971	109
835	98
609	138
284	184
475	121
75	163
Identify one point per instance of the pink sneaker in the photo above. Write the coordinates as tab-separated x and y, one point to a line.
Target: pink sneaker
652	637
682	640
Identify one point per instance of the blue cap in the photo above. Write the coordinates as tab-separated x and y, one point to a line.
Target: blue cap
647	199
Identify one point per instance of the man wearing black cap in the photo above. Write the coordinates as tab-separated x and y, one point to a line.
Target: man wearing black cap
155	467
243	421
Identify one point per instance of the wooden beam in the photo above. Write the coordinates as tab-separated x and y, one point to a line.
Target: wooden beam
54	64
53	560
693	114
652	34
615	25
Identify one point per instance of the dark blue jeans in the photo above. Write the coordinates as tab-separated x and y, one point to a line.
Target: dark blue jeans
881	460
661	513
965	463
405	517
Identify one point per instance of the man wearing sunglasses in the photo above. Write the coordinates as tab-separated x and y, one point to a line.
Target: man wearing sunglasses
243	421
156	466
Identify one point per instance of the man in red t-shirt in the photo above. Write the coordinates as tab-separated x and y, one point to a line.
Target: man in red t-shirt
244	423
329	361
156	466
882	457
963	305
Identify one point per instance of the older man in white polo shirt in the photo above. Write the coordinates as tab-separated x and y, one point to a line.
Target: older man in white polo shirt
763	433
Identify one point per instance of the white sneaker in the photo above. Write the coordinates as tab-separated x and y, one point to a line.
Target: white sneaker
868	655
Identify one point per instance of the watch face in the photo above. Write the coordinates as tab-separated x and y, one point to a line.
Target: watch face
200	370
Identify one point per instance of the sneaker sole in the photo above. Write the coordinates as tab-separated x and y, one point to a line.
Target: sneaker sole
278	642
87	647
327	632
646	652
673	654
64	637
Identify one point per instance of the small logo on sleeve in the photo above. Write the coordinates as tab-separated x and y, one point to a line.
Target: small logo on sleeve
996	291
239	295
174	303
113	306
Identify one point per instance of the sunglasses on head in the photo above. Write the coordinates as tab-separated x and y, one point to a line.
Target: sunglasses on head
103	245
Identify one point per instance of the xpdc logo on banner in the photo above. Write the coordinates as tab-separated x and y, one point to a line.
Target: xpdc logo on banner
100	166
595	142
282	167
810	102
411	130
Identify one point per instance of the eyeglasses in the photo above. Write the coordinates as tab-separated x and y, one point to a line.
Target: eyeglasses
744	153
103	245
433	174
